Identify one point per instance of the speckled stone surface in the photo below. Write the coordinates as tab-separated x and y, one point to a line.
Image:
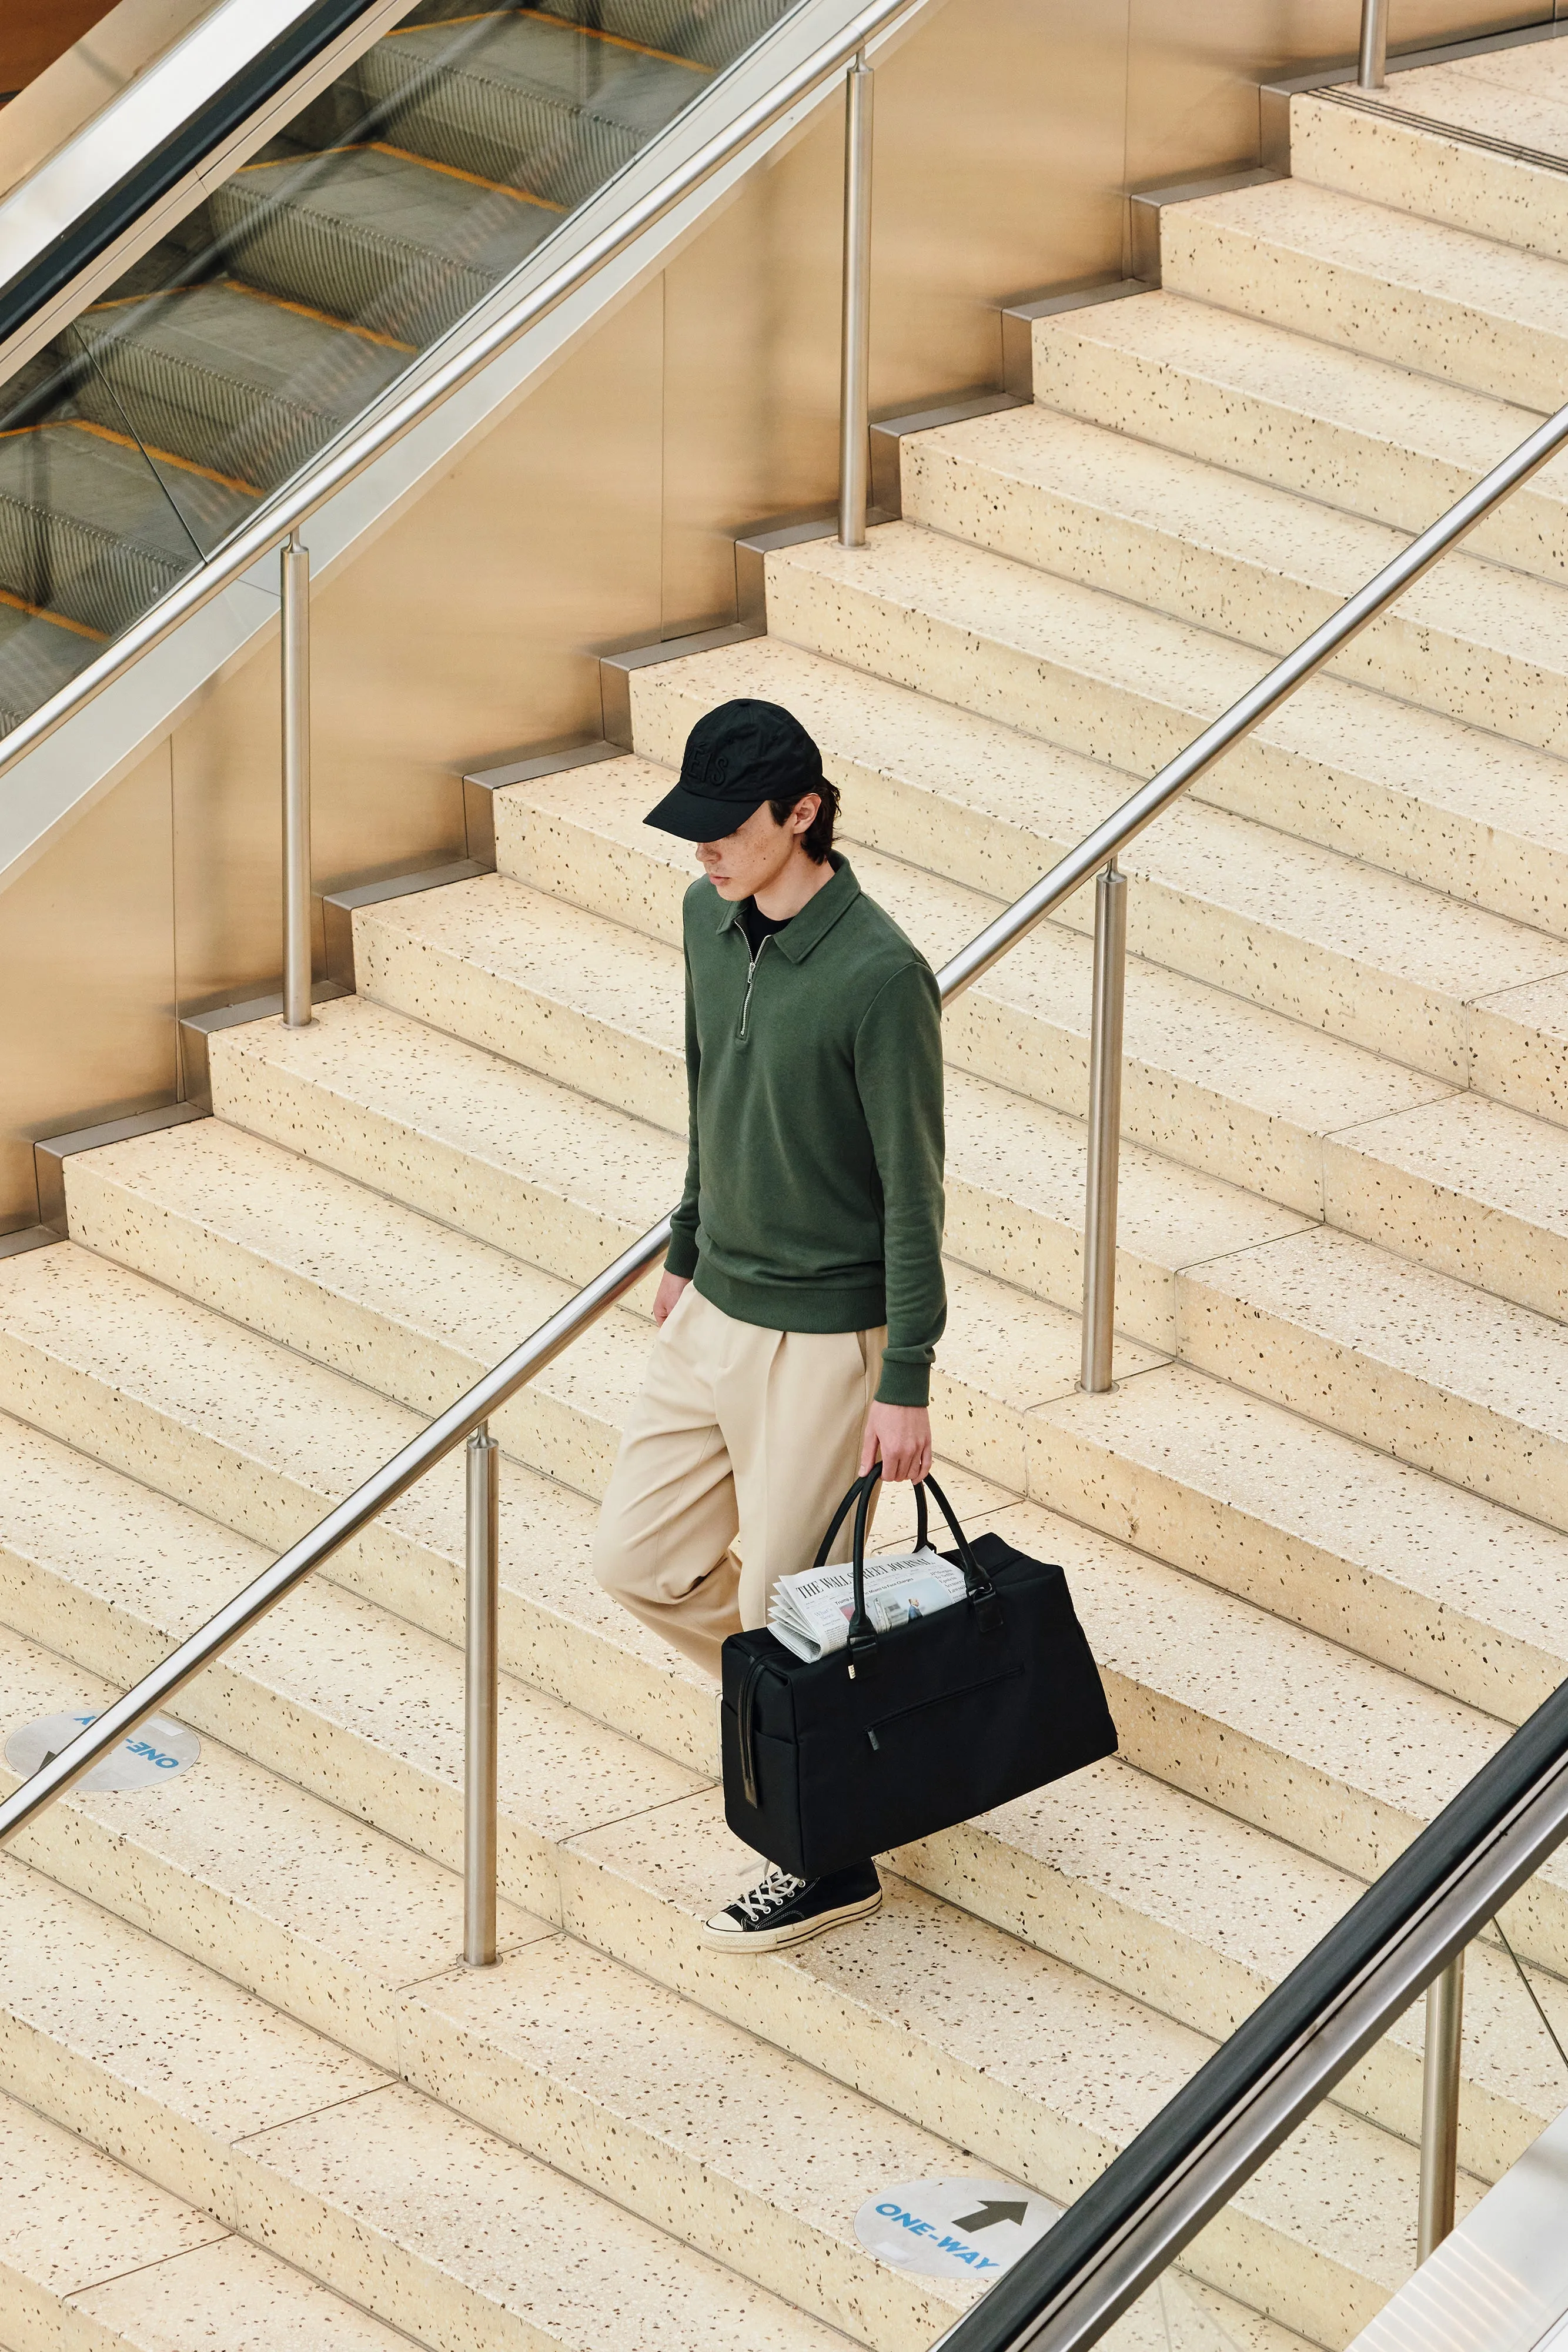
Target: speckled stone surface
1208	1080
684	2118
1335	1535
319	1913
449	2233
369	2187
510	970
994	2060
1245	559
1471	1187
260	1439
1345	947
1356	432
1416	168
231	2298
1455	305
1410	1361
470	1138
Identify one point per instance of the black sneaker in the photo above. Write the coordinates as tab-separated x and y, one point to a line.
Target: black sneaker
780	1911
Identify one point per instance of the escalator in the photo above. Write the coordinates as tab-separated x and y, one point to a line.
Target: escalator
304	284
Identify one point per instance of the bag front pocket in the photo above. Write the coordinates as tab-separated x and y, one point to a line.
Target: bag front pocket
908	1718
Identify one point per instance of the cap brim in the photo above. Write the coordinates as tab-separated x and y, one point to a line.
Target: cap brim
691	817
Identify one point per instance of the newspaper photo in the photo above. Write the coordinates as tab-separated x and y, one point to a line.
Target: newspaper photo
811	1613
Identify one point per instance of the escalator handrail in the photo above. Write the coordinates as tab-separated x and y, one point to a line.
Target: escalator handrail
1207	2141
60	221
358	448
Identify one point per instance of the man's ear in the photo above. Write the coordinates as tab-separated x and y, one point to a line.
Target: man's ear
812	803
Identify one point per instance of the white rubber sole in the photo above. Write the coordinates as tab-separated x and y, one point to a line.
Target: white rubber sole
728	1938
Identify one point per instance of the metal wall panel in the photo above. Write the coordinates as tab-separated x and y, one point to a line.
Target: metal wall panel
87	978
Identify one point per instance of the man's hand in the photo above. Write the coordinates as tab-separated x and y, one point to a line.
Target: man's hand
667	1296
901	1434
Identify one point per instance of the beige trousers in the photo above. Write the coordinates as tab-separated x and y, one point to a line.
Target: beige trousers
734	1457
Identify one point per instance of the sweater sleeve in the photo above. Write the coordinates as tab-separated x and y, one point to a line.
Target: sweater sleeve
898	1075
681	1255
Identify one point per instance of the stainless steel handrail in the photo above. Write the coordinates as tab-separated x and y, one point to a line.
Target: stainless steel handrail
1406	1932
340	465
1098	850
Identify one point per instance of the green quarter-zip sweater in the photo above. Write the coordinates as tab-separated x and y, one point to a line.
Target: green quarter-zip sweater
813	1198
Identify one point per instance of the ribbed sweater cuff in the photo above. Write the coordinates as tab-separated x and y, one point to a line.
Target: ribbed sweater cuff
681	1258
903	1383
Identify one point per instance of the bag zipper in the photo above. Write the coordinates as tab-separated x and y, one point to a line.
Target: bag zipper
750	983
939	1699
754	1673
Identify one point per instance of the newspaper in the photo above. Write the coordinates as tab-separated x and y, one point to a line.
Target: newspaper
811	1613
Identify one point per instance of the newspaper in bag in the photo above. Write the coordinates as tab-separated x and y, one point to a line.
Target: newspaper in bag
810	1613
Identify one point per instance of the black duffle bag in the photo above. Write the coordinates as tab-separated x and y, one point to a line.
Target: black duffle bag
904	1732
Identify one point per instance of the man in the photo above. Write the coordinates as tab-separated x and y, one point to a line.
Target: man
802	1296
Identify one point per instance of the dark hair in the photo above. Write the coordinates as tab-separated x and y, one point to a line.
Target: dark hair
818	837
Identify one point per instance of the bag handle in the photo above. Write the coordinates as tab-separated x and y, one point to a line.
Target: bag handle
982	1592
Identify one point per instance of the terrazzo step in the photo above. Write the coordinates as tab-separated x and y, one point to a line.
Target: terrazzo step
1324	1531
1510	99
523	1162
317	1913
1203	1936
365	1287
296	1670
373	2185
1208	1080
1408	1361
1327	422
563	2051
364	2182
1361	953
264	1442
1440	300
1159	1637
1247	561
1465	1184
93	2256
1401	788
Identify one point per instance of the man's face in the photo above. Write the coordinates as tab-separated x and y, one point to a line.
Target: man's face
755	854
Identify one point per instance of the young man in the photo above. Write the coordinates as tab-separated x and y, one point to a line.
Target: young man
802	1296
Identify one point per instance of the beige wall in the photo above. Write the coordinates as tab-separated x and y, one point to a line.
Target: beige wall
603	509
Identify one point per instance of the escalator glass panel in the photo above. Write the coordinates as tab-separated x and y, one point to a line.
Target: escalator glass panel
290	300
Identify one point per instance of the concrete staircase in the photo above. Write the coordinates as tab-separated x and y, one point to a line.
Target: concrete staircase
1318	1533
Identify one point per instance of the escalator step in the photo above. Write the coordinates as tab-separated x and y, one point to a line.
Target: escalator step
387	240
524	100
37	656
229	378
90	529
710	32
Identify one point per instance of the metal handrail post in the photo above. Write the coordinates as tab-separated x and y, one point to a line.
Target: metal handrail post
480	1699
854	372
294	560
1104	1126
1372	72
1440	2106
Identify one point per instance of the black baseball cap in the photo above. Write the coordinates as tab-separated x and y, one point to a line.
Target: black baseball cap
736	758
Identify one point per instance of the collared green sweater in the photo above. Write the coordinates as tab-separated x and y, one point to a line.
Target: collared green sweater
813	1198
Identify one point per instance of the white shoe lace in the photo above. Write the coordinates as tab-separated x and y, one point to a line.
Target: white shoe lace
769	1894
